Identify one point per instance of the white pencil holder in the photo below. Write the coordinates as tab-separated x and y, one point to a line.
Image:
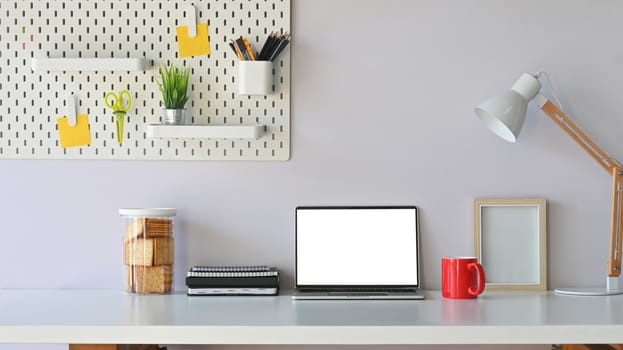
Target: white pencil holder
255	77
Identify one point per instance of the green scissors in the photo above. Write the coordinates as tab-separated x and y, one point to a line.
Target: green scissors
119	109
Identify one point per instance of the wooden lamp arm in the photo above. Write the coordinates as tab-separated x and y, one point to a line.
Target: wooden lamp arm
609	164
614	263
572	130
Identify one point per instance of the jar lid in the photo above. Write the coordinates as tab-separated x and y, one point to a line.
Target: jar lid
148	212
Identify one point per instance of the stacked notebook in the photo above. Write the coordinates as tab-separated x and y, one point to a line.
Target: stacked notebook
232	280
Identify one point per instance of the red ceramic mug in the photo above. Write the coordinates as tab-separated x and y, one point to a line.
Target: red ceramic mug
461	278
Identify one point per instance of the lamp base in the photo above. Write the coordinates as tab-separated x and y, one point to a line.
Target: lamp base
588	291
612	288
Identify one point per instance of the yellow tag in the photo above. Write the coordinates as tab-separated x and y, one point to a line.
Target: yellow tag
197	46
73	136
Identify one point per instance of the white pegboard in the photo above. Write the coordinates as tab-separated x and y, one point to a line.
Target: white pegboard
31	101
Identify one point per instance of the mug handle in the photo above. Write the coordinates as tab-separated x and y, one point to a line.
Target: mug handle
481	278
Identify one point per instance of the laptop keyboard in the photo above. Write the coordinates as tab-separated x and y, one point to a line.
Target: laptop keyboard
359	291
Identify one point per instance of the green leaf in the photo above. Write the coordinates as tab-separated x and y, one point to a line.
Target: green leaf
173	85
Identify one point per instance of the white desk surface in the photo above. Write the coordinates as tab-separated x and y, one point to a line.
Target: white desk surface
104	316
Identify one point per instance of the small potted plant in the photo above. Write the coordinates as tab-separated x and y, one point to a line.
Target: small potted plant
173	84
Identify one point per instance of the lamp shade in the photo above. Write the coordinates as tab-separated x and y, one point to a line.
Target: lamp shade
504	114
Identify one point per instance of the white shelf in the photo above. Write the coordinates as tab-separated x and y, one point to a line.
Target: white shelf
88	64
113	317
206	131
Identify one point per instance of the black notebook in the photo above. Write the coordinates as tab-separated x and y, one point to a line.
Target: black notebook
243	268
232	280
232	271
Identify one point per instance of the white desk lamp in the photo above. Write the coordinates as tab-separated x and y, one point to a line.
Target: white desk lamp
504	115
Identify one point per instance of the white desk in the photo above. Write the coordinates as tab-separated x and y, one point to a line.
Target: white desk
104	317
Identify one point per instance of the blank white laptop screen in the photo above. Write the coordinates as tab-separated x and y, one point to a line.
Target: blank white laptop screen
356	246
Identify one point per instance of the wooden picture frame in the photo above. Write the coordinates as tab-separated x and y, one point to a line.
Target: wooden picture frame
510	242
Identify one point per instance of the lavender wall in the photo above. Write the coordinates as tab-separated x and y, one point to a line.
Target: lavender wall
382	113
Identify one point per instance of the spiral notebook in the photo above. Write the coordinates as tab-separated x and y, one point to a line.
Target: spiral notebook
232	271
357	253
232	280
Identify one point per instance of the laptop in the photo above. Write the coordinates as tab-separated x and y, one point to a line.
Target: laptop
357	252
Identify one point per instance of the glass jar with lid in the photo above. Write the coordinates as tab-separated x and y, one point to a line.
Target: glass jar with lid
148	249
